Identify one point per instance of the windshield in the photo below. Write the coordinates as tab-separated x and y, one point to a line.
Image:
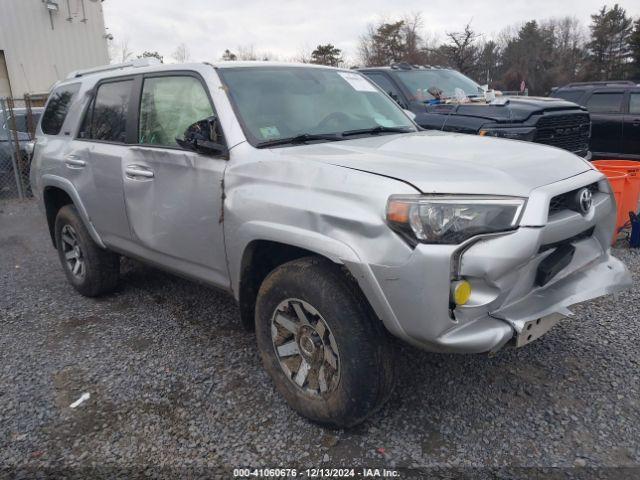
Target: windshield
419	81
275	103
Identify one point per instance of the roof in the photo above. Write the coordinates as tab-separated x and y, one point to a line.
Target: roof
153	64
243	64
600	84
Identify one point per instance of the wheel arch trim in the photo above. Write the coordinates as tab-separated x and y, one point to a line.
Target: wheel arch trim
319	244
253	231
49	180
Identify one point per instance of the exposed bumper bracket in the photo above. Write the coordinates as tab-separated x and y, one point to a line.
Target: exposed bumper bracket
534	329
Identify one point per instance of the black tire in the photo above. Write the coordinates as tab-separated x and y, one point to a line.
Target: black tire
100	268
366	356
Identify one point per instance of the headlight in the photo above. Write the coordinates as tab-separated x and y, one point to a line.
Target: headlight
451	219
519	133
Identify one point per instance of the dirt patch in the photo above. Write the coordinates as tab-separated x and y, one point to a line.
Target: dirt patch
90	416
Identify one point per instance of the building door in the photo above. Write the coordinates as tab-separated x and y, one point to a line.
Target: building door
5	85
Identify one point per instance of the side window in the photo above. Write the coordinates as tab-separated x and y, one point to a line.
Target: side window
387	85
605	102
168	106
634	103
57	108
106	118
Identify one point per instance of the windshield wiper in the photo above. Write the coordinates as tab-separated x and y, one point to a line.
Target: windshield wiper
302	138
376	130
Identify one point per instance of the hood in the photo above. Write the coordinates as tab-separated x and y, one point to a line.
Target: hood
517	109
437	162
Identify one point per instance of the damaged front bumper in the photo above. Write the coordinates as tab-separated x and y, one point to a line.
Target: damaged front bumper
507	304
604	276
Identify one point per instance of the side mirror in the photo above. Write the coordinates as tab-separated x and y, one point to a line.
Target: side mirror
397	99
204	136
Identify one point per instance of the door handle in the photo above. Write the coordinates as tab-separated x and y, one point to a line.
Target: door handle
73	161
136	171
636	122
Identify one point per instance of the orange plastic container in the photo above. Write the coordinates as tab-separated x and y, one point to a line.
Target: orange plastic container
631	193
617	181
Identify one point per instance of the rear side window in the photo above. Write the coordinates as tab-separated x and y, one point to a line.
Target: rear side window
168	106
106	119
634	104
57	108
605	103
570	95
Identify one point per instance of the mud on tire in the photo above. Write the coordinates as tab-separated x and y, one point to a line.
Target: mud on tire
353	340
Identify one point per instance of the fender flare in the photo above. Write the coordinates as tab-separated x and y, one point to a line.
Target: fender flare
320	244
49	180
334	250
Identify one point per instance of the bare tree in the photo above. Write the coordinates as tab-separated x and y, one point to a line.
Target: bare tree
462	49
569	55
120	52
413	40
303	55
248	53
431	51
181	54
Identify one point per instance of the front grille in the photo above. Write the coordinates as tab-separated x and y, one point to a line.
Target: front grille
568	131
564	200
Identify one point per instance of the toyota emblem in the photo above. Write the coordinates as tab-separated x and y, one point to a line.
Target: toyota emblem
585	199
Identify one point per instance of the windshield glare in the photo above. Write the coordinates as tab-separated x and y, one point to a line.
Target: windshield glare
282	102
419	81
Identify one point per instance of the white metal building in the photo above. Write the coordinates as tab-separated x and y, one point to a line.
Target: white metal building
43	40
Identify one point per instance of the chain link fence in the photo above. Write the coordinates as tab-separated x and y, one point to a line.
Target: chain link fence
18	120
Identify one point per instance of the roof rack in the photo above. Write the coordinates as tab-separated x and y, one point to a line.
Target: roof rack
137	63
603	82
409	66
402	66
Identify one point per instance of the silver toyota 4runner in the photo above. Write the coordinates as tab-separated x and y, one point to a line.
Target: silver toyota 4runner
313	199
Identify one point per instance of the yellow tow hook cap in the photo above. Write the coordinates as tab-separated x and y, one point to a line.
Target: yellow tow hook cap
461	292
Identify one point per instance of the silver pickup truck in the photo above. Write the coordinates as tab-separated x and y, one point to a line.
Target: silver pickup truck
315	200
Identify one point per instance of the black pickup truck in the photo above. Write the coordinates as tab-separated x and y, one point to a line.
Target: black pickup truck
615	115
550	121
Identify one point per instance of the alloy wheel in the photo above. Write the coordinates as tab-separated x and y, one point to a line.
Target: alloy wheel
72	252
305	347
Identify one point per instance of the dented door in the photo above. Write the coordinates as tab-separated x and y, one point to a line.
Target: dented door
174	203
173	196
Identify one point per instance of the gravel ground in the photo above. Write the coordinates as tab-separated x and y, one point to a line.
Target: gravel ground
176	385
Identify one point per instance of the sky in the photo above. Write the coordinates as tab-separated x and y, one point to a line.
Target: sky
285	28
